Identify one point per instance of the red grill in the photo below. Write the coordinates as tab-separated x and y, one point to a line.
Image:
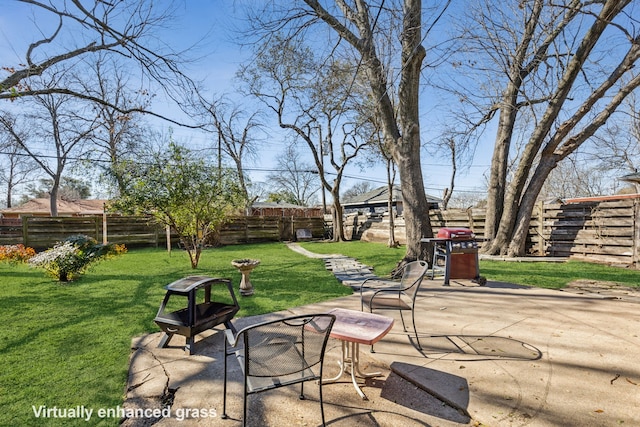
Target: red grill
456	254
461	241
456	234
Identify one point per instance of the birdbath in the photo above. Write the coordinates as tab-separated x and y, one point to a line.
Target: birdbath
245	266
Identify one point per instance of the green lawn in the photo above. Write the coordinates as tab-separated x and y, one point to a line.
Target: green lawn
556	275
68	345
540	274
64	345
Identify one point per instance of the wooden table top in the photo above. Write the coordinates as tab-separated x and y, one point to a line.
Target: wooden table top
359	326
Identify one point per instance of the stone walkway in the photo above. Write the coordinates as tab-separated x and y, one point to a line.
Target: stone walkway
348	271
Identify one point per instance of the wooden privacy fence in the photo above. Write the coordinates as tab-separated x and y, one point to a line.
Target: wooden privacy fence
43	232
249	229
597	230
603	230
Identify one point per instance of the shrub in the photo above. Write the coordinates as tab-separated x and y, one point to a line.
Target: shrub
16	253
118	250
70	258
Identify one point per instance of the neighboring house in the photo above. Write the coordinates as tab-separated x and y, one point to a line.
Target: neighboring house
41	207
376	201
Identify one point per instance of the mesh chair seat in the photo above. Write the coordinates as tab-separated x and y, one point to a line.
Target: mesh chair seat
390	303
378	294
280	353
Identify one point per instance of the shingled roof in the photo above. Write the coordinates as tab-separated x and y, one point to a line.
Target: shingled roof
379	198
41	207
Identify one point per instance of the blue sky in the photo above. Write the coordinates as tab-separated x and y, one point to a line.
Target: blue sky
209	24
219	17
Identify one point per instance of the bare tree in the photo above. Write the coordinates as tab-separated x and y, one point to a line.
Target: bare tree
17	167
616	150
311	102
379	37
357	189
449	144
455	145
236	134
295	177
85	28
118	136
55	119
552	63
596	168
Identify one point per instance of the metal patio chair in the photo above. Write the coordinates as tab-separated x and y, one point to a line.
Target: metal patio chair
279	353
381	294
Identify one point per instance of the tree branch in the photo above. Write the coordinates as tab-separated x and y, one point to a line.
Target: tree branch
64	91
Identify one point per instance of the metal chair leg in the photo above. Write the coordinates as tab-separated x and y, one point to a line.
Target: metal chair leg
404	327
224	387
415	330
321	403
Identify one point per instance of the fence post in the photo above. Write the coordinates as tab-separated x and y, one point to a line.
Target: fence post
470	217
105	233
168	231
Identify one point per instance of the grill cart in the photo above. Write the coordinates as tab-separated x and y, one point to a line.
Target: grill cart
455	254
195	317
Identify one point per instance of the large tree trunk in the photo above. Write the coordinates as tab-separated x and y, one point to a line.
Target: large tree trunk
400	126
415	206
517	245
338	221
499	164
53	199
338	217
554	151
393	243
496	195
519	203
407	150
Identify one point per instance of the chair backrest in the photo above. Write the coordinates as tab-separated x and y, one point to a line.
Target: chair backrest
412	276
293	346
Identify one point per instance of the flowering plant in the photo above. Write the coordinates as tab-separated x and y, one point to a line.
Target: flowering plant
71	257
16	253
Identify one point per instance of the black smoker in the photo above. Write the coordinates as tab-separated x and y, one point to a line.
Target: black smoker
195	317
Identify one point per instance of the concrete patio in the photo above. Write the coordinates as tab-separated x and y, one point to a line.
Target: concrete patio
497	355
